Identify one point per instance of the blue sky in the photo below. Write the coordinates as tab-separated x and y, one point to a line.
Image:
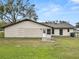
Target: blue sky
50	10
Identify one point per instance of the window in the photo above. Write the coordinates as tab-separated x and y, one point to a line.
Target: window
48	31
52	31
68	30
44	31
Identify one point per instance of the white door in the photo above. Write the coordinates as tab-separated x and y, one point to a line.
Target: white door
44	33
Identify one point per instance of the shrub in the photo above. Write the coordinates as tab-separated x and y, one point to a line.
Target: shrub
1	34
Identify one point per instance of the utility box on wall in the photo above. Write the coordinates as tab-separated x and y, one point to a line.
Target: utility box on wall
46	37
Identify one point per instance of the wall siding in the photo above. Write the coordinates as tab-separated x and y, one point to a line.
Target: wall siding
25	29
65	32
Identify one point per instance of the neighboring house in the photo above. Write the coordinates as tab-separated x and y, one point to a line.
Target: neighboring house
60	28
27	28
77	32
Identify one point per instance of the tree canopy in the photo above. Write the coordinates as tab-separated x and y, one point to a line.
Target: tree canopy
13	10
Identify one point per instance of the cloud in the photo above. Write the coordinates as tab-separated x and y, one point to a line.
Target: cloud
75	1
75	8
50	9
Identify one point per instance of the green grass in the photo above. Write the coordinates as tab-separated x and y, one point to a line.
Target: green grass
62	48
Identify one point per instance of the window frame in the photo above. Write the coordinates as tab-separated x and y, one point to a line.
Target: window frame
52	30
49	31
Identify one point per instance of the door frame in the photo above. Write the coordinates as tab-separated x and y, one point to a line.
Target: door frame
60	31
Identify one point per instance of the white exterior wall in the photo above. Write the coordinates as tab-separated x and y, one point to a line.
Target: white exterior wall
65	32
56	32
25	29
77	29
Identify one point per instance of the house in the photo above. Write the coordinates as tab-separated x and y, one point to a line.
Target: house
77	31
61	28
27	28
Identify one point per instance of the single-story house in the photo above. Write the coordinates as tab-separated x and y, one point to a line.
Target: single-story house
27	28
60	28
31	29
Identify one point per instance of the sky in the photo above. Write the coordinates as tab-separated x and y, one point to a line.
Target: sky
51	10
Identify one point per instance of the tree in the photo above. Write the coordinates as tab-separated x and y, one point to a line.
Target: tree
12	10
77	24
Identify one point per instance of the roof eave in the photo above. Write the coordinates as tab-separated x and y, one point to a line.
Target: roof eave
26	20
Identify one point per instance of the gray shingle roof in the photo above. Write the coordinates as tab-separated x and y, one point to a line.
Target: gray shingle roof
25	20
59	25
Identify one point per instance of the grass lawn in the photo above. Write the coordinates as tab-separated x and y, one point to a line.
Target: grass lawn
62	48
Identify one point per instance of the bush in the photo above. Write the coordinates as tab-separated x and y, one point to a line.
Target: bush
1	34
